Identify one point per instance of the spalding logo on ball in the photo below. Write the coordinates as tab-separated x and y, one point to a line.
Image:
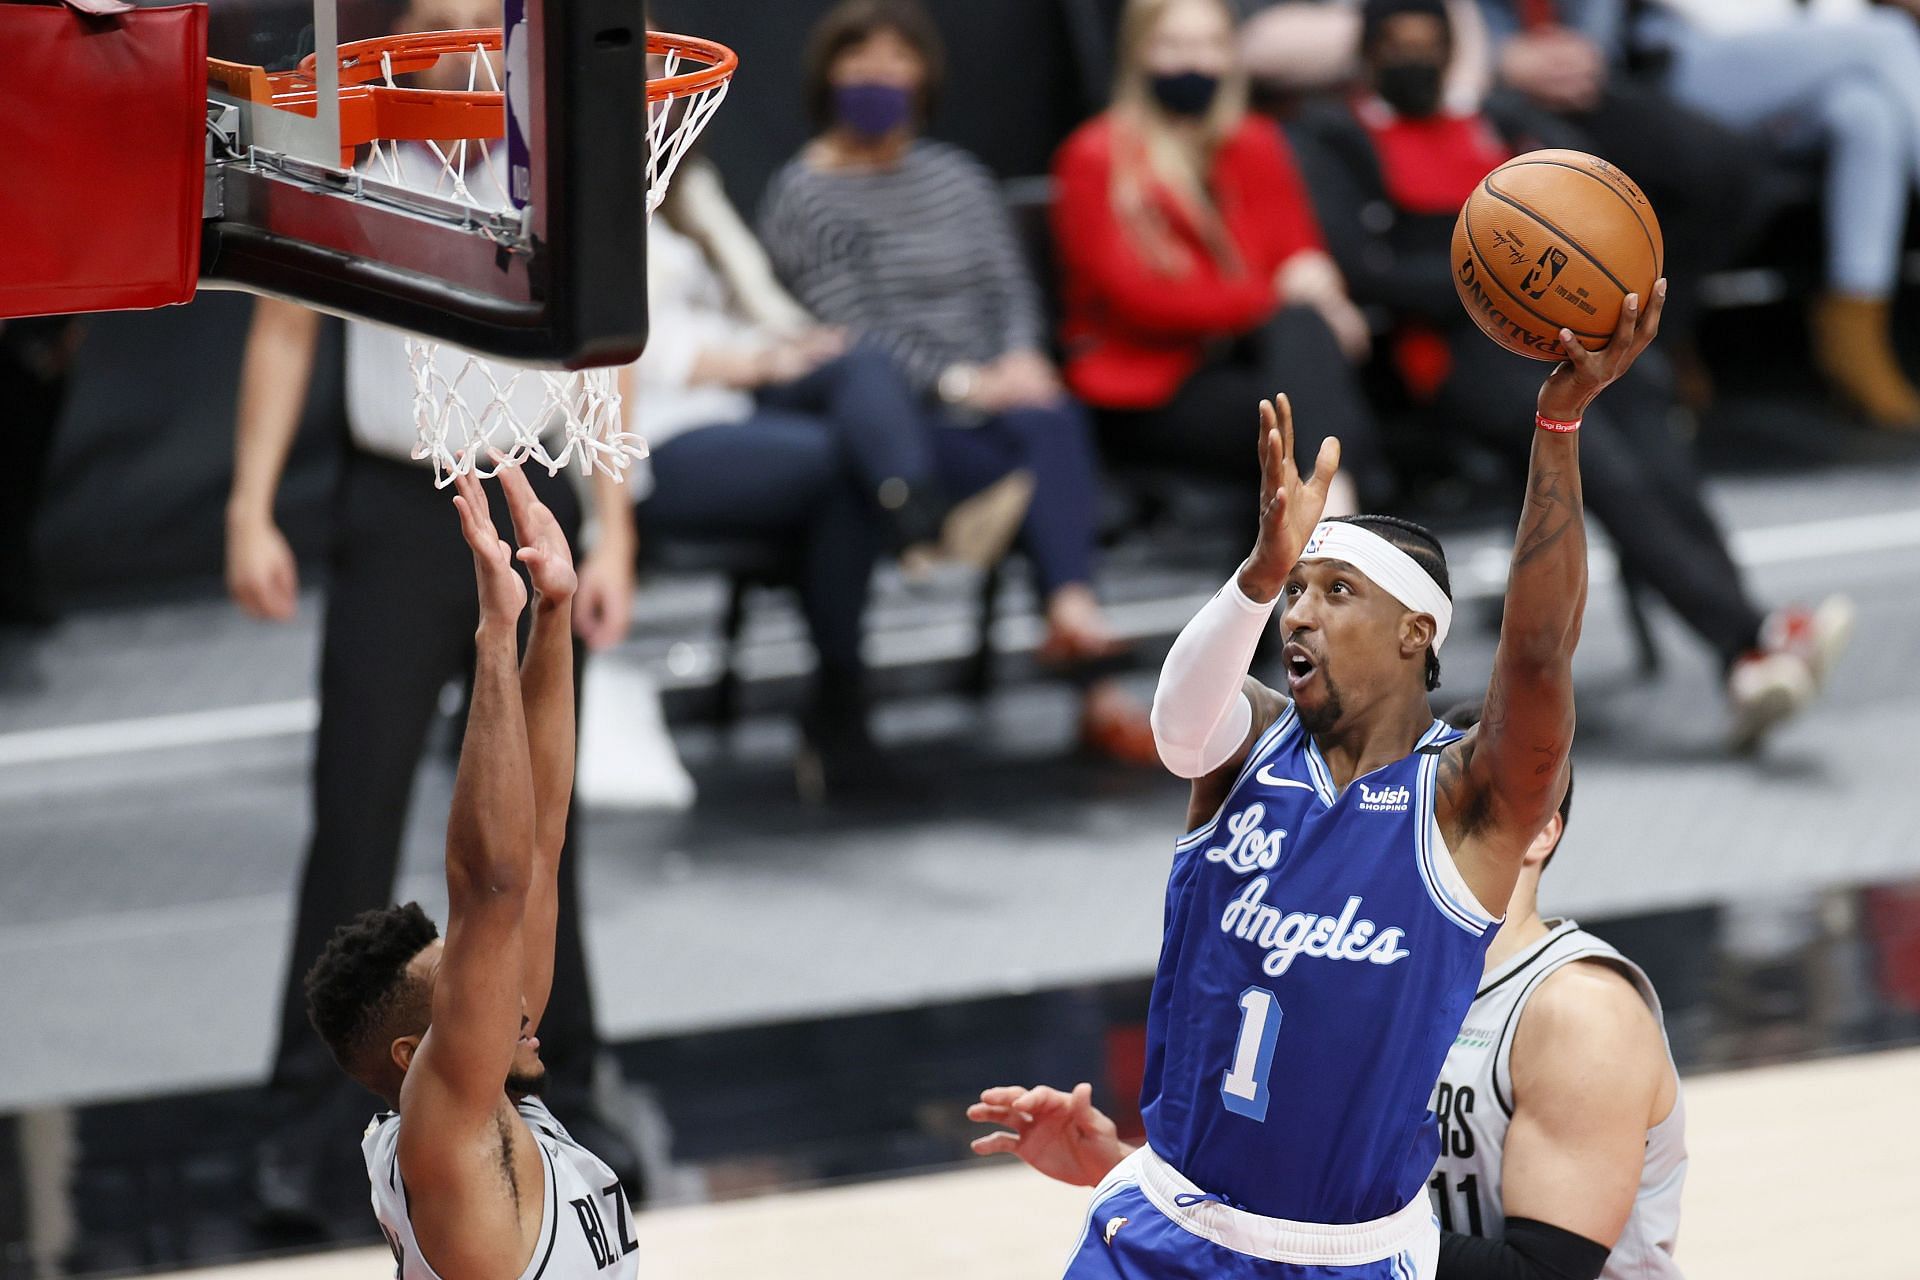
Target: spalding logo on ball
1553	240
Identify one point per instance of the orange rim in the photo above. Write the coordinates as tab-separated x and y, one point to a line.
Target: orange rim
721	62
370	111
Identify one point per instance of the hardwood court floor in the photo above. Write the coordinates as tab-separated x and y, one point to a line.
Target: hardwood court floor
1798	1172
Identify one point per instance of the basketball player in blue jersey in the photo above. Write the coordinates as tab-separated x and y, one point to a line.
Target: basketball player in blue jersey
472	1176
1325	927
1560	1120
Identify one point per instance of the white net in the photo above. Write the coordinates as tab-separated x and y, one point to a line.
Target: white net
472	413
672	126
475	414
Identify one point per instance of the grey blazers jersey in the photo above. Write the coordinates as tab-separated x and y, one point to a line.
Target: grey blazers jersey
1474	1104
586	1229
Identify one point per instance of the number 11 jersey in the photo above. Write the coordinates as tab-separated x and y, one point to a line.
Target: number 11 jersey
1474	1104
1320	951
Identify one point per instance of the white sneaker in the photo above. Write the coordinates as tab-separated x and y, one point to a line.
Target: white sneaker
1818	635
1764	689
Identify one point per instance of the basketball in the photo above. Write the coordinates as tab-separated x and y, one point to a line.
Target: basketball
1552	240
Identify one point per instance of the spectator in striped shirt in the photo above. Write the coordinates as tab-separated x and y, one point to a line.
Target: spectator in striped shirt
905	241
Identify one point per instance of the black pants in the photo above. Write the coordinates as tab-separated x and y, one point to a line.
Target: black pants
401	613
1638	477
1212	424
1705	181
34	360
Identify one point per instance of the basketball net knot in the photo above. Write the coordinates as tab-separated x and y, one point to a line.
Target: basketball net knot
480	415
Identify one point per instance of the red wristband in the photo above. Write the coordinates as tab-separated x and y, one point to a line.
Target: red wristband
1544	423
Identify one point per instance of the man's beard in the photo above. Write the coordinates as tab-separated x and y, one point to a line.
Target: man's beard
1322	717
529	1084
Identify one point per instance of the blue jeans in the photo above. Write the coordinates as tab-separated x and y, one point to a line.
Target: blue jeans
1852	86
885	433
1055	443
871	413
778	475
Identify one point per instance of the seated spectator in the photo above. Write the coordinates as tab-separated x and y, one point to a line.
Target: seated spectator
1296	48
1848	86
1575	60
1194	278
778	429
765	340
1391	171
906	242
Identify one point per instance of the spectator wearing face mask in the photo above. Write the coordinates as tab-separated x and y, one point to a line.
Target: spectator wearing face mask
1194	276
905	242
1390	171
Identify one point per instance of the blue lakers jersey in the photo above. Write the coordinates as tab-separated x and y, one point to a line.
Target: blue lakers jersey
1320	953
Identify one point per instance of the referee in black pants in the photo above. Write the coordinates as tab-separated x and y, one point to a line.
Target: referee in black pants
399	626
36	357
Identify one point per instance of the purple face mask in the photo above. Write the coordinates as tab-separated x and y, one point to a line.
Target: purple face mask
872	110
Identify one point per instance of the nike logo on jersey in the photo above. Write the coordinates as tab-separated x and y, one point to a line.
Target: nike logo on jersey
1287	935
1267	777
1113	1228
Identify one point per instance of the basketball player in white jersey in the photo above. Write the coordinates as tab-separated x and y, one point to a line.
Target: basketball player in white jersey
1562	1144
1562	1127
473	1178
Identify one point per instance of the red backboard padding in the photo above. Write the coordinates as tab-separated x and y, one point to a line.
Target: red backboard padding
102	157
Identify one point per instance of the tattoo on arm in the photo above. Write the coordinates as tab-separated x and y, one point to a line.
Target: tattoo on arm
1471	805
1549	515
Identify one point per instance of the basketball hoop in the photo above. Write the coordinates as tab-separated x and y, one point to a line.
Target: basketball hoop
473	413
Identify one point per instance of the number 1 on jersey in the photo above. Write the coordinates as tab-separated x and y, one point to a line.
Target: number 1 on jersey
1243	1089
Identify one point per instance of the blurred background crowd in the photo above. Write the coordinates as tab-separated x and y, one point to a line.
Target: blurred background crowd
959	316
945	329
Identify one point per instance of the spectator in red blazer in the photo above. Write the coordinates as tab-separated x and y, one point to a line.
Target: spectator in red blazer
1194	277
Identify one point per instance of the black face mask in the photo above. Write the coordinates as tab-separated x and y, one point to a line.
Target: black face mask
1412	89
1186	93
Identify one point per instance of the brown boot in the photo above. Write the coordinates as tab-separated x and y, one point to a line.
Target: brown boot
1853	349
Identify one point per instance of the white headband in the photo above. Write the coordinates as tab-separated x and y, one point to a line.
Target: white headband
1391	569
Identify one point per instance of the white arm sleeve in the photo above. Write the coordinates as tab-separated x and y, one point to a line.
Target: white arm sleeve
1200	711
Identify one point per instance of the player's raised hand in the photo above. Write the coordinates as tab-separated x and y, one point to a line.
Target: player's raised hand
1063	1135
502	594
543	544
1290	505
1584	374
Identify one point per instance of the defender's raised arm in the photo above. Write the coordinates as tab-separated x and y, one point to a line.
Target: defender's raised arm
546	693
463	1062
1499	784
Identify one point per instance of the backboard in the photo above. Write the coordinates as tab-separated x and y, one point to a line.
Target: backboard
522	235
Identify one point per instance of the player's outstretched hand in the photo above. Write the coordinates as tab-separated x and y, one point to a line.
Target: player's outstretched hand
543	544
1063	1135
502	594
1290	505
1584	374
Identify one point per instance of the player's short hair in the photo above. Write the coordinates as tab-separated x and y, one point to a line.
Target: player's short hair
1376	14
360	997
1424	546
850	23
1466	715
